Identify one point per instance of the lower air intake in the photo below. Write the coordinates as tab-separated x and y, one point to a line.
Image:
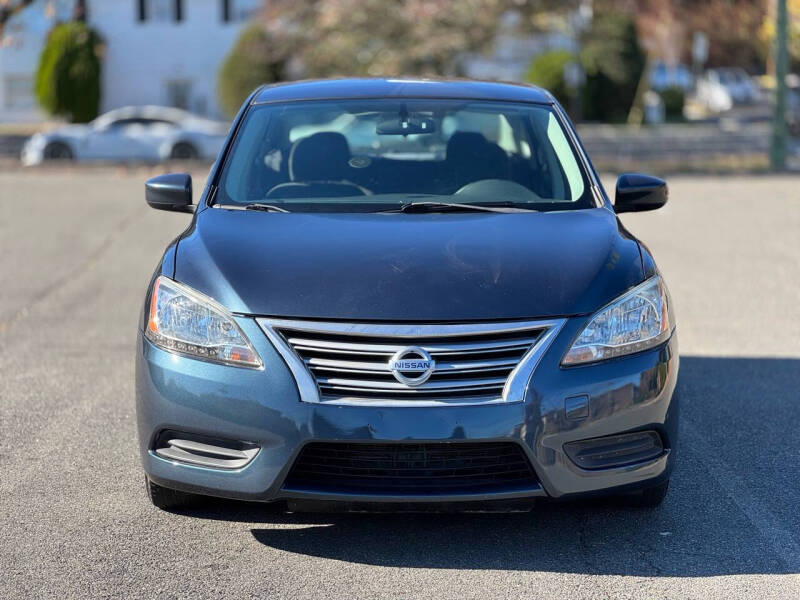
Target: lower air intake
429	469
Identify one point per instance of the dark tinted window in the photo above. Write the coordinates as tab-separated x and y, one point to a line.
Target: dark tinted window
373	154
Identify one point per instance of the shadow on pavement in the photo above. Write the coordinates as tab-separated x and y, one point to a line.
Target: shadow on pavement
743	411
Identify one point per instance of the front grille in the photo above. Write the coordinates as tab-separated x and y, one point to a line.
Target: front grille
472	362
439	468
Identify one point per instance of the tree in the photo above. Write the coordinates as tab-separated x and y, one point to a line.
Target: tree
68	77
614	64
547	70
402	37
251	62
731	26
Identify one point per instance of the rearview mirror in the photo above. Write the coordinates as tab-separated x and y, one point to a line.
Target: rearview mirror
637	193
406	127
172	191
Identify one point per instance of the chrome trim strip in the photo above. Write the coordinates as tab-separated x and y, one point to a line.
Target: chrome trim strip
384	350
513	391
205	455
454	384
323	364
517	382
407	330
389	349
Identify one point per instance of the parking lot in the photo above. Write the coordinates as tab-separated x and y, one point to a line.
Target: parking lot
77	250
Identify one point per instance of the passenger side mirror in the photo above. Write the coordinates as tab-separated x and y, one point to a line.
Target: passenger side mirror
637	193
172	191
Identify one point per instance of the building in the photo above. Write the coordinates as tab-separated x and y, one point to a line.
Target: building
165	52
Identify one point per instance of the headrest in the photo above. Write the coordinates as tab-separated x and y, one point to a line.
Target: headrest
472	157
465	145
319	157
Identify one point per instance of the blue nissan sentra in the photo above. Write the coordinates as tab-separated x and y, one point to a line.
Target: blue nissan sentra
403	293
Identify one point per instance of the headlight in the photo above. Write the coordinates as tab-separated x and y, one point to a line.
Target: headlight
637	320
187	322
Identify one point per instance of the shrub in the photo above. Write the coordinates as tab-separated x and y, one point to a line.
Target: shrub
250	63
68	76
547	70
614	63
673	99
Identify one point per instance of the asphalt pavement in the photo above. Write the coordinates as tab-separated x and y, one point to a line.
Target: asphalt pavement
77	250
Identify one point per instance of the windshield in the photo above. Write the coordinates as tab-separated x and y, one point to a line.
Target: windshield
383	154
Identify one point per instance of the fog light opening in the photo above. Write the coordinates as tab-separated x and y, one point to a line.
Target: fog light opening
615	450
204	451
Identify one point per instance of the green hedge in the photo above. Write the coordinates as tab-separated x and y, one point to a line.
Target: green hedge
68	77
547	70
249	64
673	99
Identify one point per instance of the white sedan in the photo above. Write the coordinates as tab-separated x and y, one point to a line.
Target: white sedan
722	89
133	133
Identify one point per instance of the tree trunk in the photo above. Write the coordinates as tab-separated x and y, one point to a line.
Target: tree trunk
80	11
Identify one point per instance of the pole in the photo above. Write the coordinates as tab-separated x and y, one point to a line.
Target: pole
779	133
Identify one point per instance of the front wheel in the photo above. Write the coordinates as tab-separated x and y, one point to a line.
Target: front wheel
58	151
165	498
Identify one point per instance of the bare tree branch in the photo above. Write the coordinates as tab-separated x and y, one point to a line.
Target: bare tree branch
9	8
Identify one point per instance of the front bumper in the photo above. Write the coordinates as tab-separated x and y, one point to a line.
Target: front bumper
32	154
263	407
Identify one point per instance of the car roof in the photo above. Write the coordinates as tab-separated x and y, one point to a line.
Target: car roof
332	89
146	111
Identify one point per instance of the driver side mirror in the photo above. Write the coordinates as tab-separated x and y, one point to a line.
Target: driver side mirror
172	191
637	193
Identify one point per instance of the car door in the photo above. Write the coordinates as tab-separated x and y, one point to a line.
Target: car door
152	136
119	139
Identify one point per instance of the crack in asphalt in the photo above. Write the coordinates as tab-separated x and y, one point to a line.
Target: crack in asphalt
55	285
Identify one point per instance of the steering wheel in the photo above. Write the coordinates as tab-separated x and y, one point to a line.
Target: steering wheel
311	189
500	188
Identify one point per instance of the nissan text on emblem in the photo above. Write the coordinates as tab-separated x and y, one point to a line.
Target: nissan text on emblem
412	366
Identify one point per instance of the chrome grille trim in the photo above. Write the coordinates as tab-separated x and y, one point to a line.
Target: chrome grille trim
330	376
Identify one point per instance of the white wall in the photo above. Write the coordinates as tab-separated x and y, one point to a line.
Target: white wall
141	57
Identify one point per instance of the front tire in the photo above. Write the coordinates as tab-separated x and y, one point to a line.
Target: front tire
58	151
166	498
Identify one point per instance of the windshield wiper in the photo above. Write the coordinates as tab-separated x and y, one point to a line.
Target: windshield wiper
430	206
265	207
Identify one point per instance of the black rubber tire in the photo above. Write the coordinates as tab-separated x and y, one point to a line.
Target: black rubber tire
651	497
184	151
58	151
165	498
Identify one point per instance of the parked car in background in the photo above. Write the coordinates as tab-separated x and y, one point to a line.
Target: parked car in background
721	89
663	76
133	133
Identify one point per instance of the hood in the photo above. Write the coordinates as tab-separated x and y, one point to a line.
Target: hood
409	267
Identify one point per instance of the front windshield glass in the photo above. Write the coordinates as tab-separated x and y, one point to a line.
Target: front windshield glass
381	154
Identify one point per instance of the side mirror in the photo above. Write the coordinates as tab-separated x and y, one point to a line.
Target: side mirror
172	191
637	193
